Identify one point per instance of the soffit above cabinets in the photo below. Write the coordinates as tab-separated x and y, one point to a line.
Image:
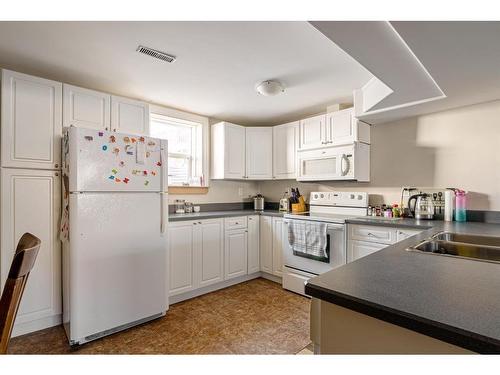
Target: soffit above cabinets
420	67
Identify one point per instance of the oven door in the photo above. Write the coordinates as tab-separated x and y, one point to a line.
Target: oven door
336	250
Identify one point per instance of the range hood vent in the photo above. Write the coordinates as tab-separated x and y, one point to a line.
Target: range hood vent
156	54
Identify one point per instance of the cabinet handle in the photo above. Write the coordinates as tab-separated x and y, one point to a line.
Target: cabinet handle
199	222
57	174
194	223
106	128
249	218
57	165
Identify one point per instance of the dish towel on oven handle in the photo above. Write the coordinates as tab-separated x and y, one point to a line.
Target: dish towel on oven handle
308	237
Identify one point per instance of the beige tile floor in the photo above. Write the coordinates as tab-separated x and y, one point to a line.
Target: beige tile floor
255	317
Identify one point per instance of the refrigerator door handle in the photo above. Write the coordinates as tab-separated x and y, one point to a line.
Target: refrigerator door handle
164	163
163	212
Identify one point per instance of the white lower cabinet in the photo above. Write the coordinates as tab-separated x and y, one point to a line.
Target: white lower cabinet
278	243
196	254
358	249
253	244
181	253
364	240
266	244
31	202
209	254
235	253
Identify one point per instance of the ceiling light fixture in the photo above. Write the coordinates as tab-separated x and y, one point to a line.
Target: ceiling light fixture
270	88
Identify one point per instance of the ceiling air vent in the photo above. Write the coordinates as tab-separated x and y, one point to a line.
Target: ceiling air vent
156	54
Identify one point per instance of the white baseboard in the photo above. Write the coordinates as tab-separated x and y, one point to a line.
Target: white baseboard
270	277
36	325
221	285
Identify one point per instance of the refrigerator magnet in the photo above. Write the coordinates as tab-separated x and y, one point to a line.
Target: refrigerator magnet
112	139
126	180
116	151
141	139
111	177
104	147
153	173
118	180
100	134
122	163
148	154
114	171
126	139
144	173
133	140
89	138
151	143
158	164
146	183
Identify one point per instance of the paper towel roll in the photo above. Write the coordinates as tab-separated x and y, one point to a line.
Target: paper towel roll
449	205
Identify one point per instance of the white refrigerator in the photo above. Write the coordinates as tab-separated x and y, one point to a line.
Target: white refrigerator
114	232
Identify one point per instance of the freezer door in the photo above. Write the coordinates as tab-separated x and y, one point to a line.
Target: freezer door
98	160
117	261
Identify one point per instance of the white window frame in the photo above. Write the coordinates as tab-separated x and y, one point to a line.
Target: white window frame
189	118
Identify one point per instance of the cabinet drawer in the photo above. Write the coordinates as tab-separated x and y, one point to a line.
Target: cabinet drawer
360	249
237	222
372	234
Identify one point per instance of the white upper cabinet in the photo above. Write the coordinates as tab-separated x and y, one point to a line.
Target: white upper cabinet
313	132
129	116
86	108
285	145
259	153
31	121
344	128
228	151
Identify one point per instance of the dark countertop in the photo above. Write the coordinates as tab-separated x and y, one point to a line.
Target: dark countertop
218	214
451	299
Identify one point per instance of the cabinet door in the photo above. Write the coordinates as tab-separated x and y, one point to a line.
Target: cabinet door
358	249
266	244
313	132
129	116
340	127
31	203
285	145
235	253
86	108
209	254
259	153
181	249
278	242
234	158
31	121
253	244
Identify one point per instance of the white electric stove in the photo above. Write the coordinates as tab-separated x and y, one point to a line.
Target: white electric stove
332	208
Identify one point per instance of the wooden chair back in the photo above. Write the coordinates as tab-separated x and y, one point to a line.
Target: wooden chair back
22	264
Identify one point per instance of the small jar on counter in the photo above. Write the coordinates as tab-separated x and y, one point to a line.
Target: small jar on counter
388	212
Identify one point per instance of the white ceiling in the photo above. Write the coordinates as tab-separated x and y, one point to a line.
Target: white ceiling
217	67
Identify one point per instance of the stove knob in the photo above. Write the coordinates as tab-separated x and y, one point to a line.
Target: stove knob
322	196
315	196
352	196
360	197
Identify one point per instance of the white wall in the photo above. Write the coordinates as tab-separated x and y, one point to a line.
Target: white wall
458	148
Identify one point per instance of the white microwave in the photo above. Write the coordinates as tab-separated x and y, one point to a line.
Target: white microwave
337	163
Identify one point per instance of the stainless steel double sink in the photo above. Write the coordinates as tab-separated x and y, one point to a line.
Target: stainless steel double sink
466	246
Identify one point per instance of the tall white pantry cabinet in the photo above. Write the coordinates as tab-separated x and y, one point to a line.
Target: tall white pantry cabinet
31	129
34	112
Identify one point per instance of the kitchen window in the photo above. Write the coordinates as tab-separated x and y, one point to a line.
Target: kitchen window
186	151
